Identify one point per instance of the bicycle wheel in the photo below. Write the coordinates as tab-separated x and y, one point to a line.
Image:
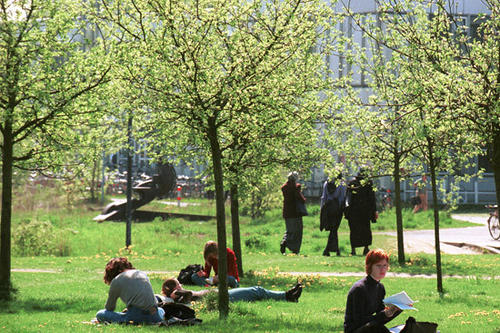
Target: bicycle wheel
494	227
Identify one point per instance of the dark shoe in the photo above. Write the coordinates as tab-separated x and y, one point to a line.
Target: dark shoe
353	251
366	250
326	253
338	253
282	247
294	293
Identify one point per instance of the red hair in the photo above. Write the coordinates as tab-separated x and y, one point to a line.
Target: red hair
114	267
373	257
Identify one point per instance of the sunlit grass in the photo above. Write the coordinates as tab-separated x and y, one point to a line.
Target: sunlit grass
63	300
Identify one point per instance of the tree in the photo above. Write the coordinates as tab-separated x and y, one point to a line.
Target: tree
208	67
48	67
371	131
426	50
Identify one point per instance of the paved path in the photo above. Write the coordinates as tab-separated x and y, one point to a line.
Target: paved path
322	274
468	240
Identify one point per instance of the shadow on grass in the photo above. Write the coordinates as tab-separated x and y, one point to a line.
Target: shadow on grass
32	305
293	322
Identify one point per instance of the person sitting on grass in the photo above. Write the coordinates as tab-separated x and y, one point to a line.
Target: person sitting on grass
172	289
134	289
210	254
365	311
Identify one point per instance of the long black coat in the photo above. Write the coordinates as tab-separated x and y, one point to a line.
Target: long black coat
360	211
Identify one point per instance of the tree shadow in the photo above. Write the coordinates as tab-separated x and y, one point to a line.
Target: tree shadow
32	305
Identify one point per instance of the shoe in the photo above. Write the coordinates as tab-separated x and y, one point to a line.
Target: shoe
294	293
338	253
282	247
366	250
326	253
353	252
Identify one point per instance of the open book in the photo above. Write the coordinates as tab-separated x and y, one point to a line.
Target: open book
401	300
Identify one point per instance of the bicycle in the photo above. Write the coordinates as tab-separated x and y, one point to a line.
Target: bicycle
493	225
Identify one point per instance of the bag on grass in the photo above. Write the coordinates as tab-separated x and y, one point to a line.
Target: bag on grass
178	314
413	326
185	273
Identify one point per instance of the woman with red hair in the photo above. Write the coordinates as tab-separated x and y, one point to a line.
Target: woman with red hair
365	310
134	289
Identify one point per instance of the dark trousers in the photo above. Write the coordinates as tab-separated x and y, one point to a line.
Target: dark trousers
293	234
372	328
333	239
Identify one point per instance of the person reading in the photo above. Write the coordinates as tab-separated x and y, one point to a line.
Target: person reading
365	309
210	255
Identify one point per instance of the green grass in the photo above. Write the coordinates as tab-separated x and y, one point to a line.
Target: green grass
61	301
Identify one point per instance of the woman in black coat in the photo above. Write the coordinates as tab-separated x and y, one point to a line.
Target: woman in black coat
360	211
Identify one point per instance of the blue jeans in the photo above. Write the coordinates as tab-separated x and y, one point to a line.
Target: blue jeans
254	294
202	281
133	314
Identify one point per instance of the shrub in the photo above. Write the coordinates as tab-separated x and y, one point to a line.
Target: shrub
256	243
38	238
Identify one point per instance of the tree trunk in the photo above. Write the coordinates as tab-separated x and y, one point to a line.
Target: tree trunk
399	215
494	157
221	218
235	227
5	238
128	210
93	181
432	166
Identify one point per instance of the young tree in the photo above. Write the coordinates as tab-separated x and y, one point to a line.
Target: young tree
422	39
212	67
48	66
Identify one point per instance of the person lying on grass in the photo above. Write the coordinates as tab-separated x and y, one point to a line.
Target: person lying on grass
365	310
134	289
172	289
210	254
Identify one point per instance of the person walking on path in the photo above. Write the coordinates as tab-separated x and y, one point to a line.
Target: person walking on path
292	239
332	209
210	254
420	198
134	289
360	211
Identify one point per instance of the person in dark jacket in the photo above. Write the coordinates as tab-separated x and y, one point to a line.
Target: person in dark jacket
365	311
332	209
292	239
360	211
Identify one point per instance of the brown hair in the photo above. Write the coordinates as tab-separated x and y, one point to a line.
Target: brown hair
114	267
210	248
168	286
373	257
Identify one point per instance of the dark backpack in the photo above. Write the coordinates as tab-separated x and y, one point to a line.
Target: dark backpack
185	273
413	326
179	314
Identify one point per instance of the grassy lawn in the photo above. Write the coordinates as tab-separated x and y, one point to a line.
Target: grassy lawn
63	300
